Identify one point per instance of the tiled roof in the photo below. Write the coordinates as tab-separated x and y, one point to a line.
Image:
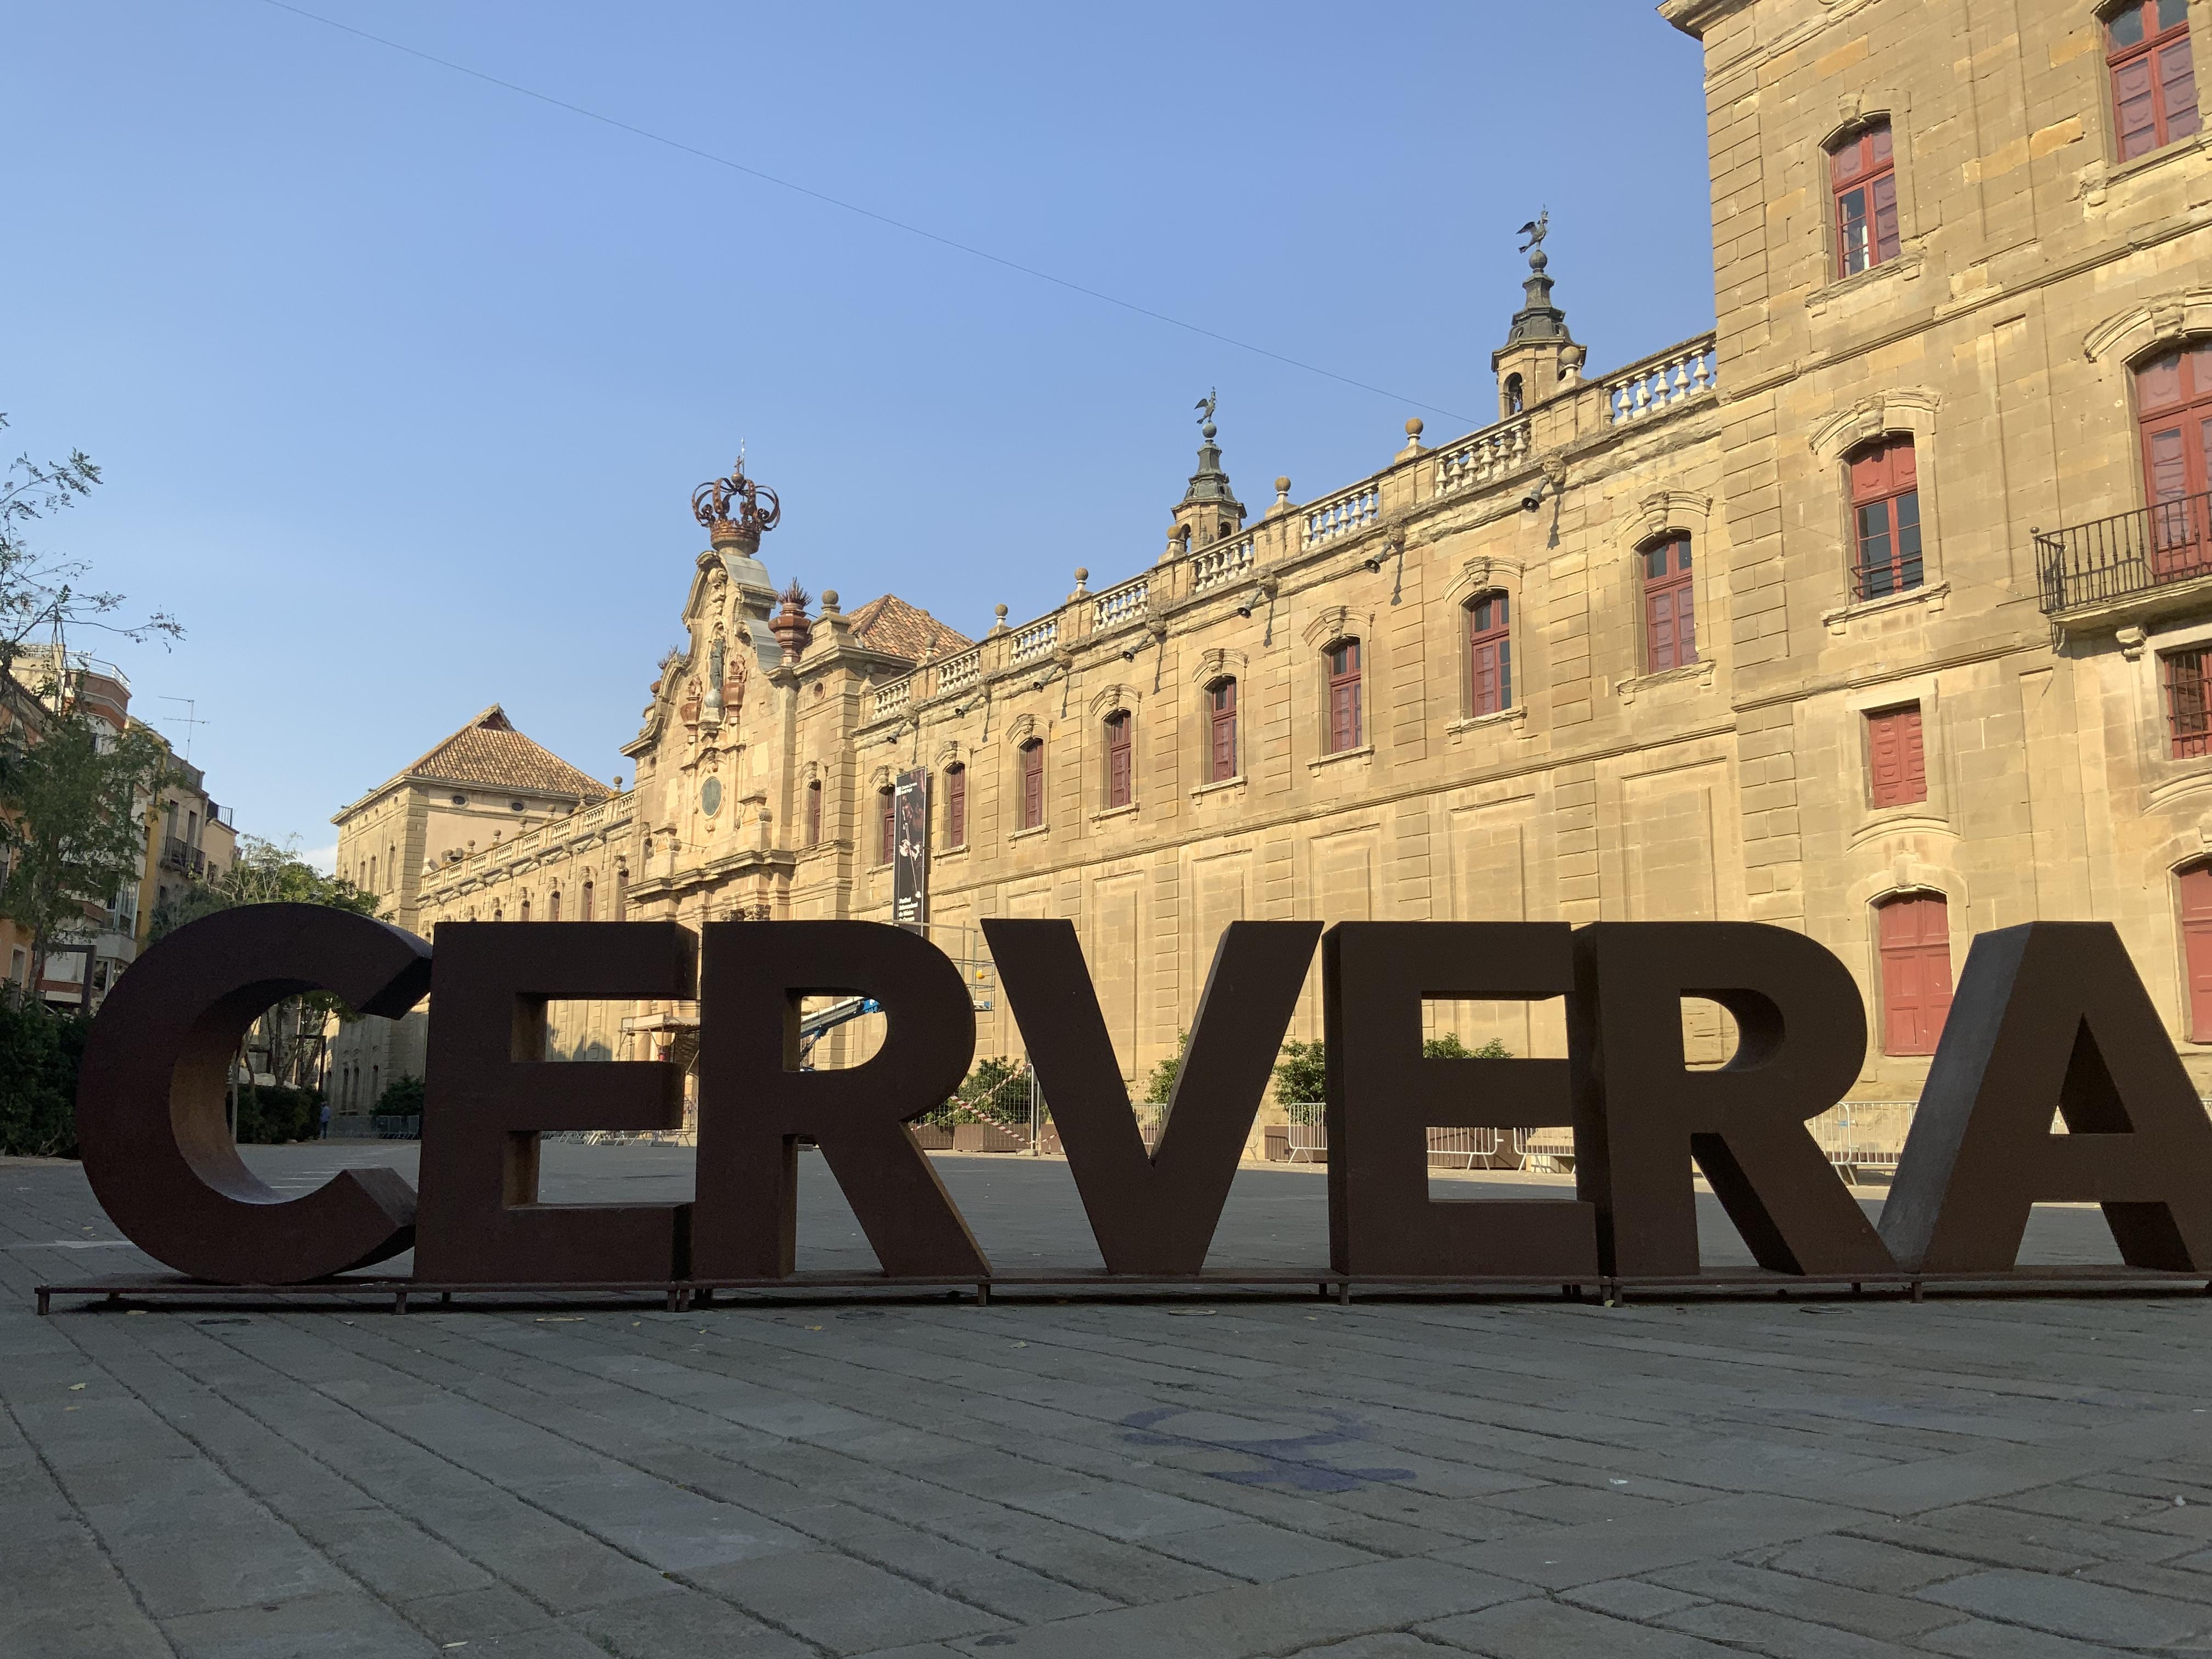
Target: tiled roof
489	751
896	628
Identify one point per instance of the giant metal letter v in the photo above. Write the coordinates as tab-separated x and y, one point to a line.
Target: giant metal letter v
1154	1215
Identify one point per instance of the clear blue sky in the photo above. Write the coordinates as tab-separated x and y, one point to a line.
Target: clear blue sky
401	380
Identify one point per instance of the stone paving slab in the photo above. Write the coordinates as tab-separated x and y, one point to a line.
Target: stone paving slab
908	1477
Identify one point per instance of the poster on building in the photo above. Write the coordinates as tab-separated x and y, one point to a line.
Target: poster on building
910	849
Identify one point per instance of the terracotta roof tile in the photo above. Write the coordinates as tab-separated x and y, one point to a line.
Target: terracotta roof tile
489	751
896	628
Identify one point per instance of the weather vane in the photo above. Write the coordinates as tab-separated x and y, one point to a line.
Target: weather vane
1535	230
1205	405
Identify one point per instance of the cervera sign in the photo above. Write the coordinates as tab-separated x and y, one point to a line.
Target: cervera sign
2047	1014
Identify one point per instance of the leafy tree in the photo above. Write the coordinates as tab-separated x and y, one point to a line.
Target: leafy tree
1161	1085
41	599
72	821
267	873
402	1097
1302	1075
1449	1046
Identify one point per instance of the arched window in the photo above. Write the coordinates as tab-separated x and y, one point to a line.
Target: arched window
622	894
585	914
1221	730
372	875
886	824
1516	397
1670	606
2153	82
553	905
1343	696
1489	655
2173	408
814	813
496	914
1033	783
956	805
1862	180
1118	780
1915	939
1884	483
2194	893
525	907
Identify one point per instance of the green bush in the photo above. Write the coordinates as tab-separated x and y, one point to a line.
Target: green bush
39	1053
270	1114
1301	1076
402	1097
1162	1081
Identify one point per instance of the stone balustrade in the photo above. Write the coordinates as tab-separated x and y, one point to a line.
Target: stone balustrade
1354	509
1496	452
958	673
1034	640
1223	561
1120	605
890	698
1659	382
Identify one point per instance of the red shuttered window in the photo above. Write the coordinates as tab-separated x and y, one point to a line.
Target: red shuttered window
1670	615
1885	478
2174	404
1489	655
956	806
1897	767
2188	703
1344	696
2196	896
2153	82
886	824
1221	730
1915	931
1033	783
814	814
1117	758
1862	178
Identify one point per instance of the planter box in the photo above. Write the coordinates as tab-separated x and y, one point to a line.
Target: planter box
932	1137
986	1138
1279	1143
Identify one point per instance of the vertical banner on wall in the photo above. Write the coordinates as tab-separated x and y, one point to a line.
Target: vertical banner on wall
910	849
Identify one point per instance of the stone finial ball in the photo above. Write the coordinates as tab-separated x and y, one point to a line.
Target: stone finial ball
828	598
1413	426
1081	574
1001	610
1282	486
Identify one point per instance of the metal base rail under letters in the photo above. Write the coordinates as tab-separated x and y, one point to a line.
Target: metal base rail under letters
681	1295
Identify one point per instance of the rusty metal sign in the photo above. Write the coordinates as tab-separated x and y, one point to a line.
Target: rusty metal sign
2048	1016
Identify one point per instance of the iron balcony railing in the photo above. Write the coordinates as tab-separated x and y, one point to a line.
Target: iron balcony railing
2126	555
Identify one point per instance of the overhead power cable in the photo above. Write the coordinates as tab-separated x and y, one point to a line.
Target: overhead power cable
823	197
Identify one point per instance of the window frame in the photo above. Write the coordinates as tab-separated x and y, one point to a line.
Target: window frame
814	812
1678	585
1223	763
2188	729
1890	959
2158	39
956	805
1874	143
2194	932
1492	632
1030	757
1888	496
2180	528
886	826
1912	740
1120	760
1341	682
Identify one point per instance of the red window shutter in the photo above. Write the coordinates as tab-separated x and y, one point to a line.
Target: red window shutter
2195	896
2177	86
1117	761
1344	697
1670	629
1490	656
888	834
813	815
1221	728
2189	704
1916	972
1894	756
1032	785
956	806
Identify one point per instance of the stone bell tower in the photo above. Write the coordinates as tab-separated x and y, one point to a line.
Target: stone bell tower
1209	511
1540	359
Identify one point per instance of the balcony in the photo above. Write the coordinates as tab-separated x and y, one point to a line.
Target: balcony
176	855
2129	568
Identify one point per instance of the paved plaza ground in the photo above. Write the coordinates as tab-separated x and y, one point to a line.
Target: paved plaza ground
1143	1476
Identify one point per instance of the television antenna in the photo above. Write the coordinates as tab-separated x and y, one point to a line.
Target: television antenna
188	719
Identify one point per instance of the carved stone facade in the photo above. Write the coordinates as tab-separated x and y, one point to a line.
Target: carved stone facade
1635	650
